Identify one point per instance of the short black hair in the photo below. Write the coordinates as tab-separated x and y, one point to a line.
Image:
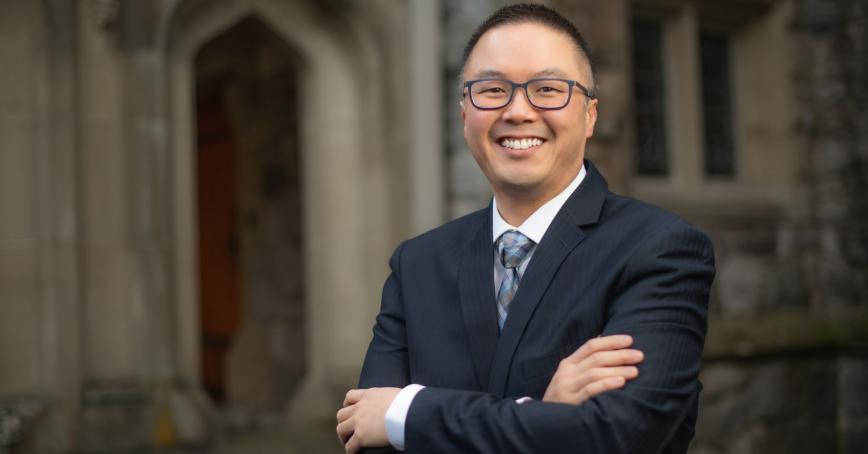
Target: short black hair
530	12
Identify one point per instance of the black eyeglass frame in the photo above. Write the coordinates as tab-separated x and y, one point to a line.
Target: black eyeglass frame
572	83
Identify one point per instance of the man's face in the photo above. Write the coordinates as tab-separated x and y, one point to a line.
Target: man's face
519	52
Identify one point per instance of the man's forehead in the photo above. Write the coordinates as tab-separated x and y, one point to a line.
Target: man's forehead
495	73
496	46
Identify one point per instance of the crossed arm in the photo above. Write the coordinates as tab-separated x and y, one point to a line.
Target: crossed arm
601	364
661	303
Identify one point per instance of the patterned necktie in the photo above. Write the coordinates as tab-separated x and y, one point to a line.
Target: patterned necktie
513	248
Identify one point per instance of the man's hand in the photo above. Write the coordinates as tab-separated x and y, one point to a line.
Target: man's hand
601	364
362	420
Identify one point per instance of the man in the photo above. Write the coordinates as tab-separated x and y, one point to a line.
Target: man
508	330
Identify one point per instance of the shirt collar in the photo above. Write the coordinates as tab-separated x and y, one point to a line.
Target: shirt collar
535	226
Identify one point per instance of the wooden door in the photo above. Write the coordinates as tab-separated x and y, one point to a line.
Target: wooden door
219	281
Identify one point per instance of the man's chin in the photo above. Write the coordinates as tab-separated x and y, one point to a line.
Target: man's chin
518	185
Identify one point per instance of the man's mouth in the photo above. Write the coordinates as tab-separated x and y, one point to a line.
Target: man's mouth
521	144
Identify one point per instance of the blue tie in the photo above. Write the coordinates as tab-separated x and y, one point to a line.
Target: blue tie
513	248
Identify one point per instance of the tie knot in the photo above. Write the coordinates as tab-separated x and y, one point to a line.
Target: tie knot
514	247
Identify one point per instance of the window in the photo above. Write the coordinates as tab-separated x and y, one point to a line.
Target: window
712	112
716	73
649	96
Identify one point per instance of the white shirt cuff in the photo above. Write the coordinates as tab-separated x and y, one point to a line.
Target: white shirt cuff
396	415
522	400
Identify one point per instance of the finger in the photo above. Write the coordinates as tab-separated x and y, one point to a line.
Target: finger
353	396
614	342
345	413
625	357
353	445
575	383
601	373
345	430
599	387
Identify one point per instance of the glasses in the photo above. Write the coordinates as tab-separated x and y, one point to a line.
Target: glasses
546	94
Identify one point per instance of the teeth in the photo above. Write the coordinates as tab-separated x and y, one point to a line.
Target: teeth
521	144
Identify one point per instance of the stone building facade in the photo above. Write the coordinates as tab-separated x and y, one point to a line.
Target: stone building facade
198	199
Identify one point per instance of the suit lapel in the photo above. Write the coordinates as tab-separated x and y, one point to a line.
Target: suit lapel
476	287
562	237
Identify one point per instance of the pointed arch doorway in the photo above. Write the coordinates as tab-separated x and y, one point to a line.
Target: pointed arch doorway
250	218
350	211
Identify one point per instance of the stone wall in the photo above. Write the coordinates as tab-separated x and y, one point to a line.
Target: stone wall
97	239
794	377
833	41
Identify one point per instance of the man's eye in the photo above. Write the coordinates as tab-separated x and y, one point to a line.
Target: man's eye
493	90
549	90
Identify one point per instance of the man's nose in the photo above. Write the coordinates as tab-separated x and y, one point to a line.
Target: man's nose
519	110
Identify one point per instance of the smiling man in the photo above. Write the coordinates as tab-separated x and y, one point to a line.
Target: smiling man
562	317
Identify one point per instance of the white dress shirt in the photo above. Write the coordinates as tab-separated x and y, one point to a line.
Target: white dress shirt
534	227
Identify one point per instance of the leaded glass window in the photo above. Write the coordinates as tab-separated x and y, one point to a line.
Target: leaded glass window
649	97
717	95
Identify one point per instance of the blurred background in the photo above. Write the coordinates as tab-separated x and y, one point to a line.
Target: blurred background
198	200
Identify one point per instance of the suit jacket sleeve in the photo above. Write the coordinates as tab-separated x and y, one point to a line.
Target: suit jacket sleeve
661	300
386	363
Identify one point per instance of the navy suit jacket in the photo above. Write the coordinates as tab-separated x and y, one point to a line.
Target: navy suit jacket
606	265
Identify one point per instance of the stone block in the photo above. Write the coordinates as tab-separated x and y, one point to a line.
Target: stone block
129	416
17	198
19	340
116	416
775	406
742	284
17	267
103	188
109	316
18	414
853	404
21	61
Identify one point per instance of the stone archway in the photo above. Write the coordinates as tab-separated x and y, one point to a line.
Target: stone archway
250	219
340	143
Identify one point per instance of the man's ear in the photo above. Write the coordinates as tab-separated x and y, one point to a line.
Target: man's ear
590	118
461	106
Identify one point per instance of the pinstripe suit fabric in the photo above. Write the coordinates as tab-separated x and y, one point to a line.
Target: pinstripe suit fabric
606	265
